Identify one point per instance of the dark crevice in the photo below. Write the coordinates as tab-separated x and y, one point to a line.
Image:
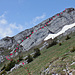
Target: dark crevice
32	43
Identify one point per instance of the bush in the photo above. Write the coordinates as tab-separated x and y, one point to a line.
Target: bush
60	44
20	58
47	66
3	72
37	52
3	67
67	37
10	65
29	58
52	44
73	49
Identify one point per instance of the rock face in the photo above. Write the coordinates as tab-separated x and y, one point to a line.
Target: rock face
7	42
37	35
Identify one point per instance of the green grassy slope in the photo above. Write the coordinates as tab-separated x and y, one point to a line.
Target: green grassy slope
47	55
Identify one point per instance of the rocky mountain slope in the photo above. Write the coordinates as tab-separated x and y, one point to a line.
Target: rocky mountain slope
10	47
35	35
58	59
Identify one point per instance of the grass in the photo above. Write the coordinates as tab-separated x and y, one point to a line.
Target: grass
59	65
7	52
47	55
73	67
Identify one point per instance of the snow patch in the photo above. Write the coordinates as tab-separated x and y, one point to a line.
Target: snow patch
65	28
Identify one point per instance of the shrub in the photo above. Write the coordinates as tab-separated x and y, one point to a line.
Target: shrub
3	72
67	37
37	52
52	44
29	58
20	58
3	67
60	44
10	65
73	49
47	66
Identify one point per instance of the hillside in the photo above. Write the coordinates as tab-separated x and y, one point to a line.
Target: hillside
56	56
34	36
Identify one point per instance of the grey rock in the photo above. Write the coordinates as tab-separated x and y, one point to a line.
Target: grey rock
73	63
57	23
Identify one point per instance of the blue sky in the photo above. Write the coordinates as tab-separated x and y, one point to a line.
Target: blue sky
18	15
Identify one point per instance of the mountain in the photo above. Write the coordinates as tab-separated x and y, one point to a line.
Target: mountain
36	35
42	36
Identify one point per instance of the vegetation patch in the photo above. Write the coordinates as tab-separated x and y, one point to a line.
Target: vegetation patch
37	52
29	58
73	49
10	65
52	44
3	72
67	38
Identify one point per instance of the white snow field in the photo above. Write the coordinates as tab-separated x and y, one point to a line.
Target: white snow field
65	28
